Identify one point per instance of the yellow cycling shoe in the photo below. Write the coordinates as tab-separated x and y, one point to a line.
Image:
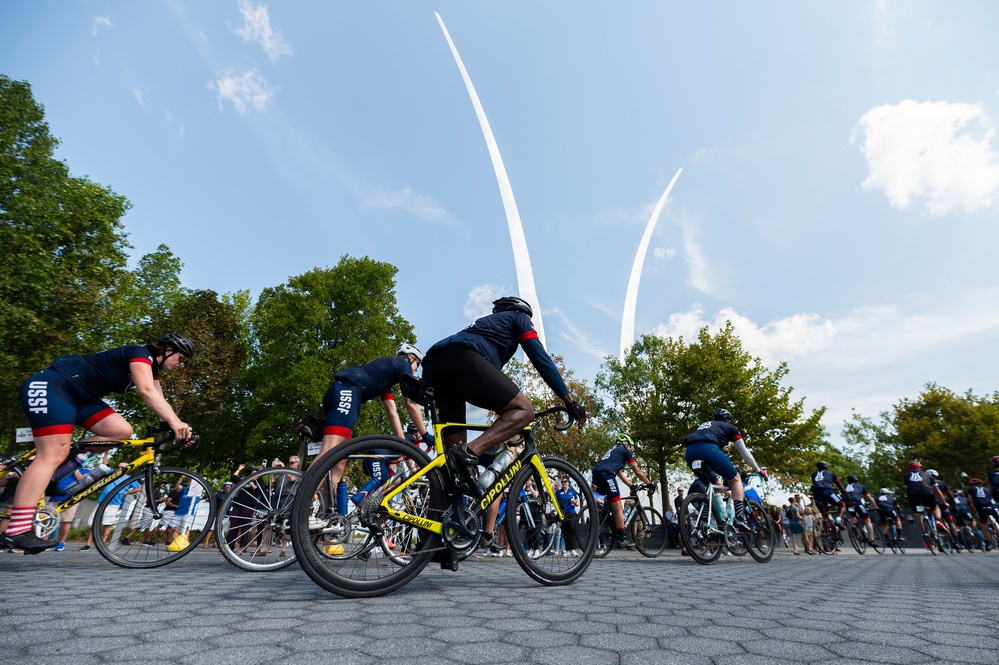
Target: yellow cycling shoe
334	549
179	544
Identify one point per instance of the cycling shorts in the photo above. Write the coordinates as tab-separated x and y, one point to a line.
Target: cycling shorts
887	514
928	500
606	483
861	510
459	374
964	517
826	498
713	456
53	407
378	468
342	405
985	510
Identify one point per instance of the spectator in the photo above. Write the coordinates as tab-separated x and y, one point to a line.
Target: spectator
809	521
110	516
568	501
796	525
219	498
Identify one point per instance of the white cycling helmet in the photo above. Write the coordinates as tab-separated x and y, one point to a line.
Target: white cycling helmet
884	490
406	348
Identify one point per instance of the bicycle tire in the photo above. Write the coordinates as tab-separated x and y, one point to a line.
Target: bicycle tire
403	541
929	542
263	500
762	540
648	531
944	541
123	513
553	570
605	534
856	539
892	540
878	544
339	554
702	543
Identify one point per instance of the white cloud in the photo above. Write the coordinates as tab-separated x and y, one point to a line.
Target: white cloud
661	253
174	123
257	28
700	274
140	96
935	151
100	22
422	207
480	300
577	337
244	90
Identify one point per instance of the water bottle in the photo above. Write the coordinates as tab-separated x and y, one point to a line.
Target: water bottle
341	497
65	475
503	460
89	478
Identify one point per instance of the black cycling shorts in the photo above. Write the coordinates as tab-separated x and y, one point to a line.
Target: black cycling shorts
459	374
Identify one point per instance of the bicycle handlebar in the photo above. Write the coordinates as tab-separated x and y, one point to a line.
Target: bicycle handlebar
569	420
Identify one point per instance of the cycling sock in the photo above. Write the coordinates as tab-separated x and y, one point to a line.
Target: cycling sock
20	520
620	534
365	489
740	510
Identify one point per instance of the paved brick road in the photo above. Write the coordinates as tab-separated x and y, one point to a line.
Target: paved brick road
626	609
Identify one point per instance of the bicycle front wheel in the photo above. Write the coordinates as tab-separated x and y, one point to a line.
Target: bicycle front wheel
762	538
253	529
859	542
134	528
343	553
701	539
648	530
579	527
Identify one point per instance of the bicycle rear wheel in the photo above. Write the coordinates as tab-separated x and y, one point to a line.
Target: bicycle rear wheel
929	541
878	544
252	529
703	541
762	538
554	570
132	527
856	539
648	531
605	534
825	536
343	553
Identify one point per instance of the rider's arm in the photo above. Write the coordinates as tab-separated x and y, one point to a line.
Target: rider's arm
624	477
388	401
544	364
740	445
416	417
640	473
152	394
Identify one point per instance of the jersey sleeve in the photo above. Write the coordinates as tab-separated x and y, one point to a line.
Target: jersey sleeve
528	339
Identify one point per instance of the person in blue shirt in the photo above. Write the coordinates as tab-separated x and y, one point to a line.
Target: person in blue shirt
70	393
707	444
359	383
605	476
568	502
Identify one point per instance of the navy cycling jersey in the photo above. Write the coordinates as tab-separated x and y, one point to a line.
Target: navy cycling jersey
961	504
994	480
718	432
614	460
823	479
93	376
496	337
886	503
919	483
856	492
981	495
377	377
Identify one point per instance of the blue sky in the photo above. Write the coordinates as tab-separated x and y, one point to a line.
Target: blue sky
838	198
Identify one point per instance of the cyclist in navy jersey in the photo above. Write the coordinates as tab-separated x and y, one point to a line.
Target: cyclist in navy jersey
605	475
707	443
359	383
948	501
824	484
922	490
857	494
70	393
994	475
468	367
964	516
889	509
983	500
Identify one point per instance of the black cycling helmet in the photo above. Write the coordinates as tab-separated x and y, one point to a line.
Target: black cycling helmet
514	303
411	428
995	460
821	466
624	440
721	414
852	478
178	342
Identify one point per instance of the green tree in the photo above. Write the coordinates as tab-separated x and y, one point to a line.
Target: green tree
665	388
143	299
63	250
305	332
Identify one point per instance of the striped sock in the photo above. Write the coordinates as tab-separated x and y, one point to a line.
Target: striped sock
20	520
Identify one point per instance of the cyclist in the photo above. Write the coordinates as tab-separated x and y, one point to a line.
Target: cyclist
948	497
707	442
857	493
994	475
468	367
964	517
605	475
69	393
983	500
889	510
824	482
358	384
922	490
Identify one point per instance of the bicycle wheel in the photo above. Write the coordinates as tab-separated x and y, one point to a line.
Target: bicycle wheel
256	511
648	531
605	534
343	553
132	527
858	541
701	538
929	541
892	541
553	570
945	543
762	538
402	541
878	544
827	537
899	540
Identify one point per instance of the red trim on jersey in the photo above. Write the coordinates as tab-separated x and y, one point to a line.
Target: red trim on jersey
50	430
530	334
97	417
737	437
145	361
337	430
388	397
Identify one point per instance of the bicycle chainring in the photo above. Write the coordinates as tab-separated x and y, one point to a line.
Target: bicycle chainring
453	535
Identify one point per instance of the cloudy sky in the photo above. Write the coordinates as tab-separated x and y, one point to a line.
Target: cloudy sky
838	197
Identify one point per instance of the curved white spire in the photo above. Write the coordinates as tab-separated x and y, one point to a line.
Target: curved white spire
631	297
521	257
